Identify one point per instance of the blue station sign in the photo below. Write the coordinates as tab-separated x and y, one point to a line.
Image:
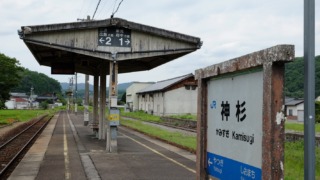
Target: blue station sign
234	134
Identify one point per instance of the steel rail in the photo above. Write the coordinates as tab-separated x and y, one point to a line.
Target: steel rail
2	172
17	135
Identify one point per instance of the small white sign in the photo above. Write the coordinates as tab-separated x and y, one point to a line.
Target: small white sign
113	101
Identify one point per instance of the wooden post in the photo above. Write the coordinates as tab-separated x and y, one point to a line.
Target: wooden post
113	96
102	122
95	103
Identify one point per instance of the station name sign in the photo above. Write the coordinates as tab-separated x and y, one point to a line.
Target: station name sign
234	147
114	36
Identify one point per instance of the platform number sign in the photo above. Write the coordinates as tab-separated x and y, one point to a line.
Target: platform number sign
114	36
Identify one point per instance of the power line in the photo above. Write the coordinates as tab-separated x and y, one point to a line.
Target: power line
101	11
96	9
116	9
114	5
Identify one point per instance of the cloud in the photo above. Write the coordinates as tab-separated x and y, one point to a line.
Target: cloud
228	29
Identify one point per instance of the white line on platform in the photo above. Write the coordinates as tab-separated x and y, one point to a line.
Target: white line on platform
67	173
160	154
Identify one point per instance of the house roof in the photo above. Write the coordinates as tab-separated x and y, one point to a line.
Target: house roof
162	85
138	82
288	99
46	97
16	94
20	100
293	102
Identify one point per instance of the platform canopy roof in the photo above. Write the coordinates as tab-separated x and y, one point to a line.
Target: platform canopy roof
88	46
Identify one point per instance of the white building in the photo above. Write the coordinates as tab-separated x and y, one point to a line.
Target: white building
131	96
173	96
10	104
17	101
295	109
21	101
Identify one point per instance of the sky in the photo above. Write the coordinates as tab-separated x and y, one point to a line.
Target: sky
228	28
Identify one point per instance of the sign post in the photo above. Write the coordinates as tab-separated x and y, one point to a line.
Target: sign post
114	112
114	37
240	116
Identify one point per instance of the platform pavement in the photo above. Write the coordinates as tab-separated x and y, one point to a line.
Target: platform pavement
68	150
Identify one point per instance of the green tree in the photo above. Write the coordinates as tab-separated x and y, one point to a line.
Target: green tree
124	97
41	83
317	109
44	104
61	99
294	77
9	77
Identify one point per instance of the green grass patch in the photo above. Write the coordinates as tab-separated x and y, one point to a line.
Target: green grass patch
185	116
299	127
141	115
294	161
80	108
178	138
10	116
60	108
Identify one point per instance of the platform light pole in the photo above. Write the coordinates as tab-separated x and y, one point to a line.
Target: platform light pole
86	95
31	97
76	93
70	99
309	89
86	101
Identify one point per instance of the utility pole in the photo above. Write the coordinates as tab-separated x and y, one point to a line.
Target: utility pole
86	98
309	90
86	101
31	97
70	99
76	93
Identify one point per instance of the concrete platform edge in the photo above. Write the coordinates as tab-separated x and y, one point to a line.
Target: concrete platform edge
29	166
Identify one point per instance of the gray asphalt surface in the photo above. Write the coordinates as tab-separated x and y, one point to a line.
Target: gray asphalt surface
77	154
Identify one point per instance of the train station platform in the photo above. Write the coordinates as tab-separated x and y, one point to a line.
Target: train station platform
67	149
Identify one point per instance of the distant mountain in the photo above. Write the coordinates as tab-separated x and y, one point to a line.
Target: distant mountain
41	83
124	86
81	86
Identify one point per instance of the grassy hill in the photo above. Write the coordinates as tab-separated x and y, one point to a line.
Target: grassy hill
294	77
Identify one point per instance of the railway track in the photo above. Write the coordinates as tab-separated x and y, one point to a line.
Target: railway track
12	150
170	125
